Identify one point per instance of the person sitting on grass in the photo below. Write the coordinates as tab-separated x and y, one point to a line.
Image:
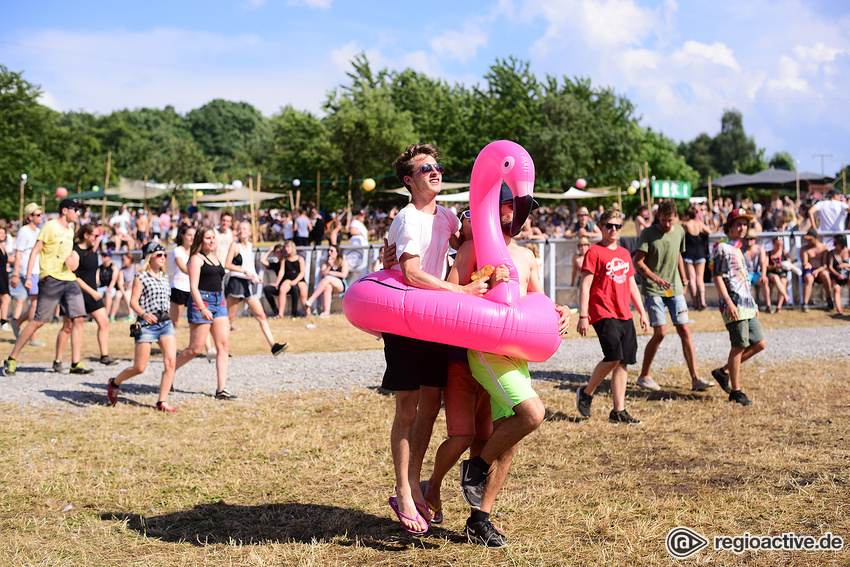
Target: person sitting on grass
150	299
333	273
607	285
839	269
737	306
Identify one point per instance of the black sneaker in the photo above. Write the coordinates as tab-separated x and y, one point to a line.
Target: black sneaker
583	401
107	360
9	366
740	397
722	378
224	395
805	308
57	366
279	348
472	481
484	533
78	368
622	416
829	303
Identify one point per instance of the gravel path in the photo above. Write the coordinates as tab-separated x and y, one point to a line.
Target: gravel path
37	386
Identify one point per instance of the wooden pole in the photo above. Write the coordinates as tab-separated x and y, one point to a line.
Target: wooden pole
253	216
145	194
349	198
318	189
648	184
620	197
291	201
21	208
106	185
844	178
251	205
798	185
710	204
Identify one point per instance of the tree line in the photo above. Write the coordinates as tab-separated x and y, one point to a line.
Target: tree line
571	128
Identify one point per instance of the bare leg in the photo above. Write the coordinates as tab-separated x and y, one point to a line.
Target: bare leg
528	417
221	336
619	377
689	352
168	346
400	443
257	311
140	363
700	279
748	353
198	334
26	334
102	321
62	337
598	375
420	436
77	340
692	284
658	334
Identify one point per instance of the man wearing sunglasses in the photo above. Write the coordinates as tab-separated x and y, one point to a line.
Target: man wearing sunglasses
58	284
658	259
417	370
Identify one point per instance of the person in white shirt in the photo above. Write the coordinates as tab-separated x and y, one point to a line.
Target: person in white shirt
830	215
27	236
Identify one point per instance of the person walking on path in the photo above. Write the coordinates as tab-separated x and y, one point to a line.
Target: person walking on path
737	306
607	285
207	310
24	243
58	285
658	259
243	280
150	300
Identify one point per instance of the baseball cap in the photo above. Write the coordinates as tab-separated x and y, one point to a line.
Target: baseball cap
506	195
583	211
70	203
150	248
735	214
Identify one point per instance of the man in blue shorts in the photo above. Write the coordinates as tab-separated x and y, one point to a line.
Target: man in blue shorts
658	260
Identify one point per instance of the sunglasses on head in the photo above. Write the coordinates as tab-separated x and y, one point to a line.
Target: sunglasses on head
466	215
612	226
426	168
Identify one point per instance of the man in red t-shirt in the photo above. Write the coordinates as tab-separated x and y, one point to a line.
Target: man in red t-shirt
606	287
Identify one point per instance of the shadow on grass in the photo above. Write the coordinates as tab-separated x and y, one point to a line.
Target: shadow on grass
221	523
85	398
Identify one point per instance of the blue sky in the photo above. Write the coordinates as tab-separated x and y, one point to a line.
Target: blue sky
784	63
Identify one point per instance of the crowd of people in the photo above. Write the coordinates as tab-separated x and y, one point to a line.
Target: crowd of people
64	268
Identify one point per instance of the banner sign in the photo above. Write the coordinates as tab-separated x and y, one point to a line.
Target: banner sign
667	189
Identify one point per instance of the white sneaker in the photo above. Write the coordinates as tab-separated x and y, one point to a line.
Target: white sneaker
309	304
324	314
6	327
648	383
211	355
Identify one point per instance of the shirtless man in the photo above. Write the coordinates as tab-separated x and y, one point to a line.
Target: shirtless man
813	254
515	407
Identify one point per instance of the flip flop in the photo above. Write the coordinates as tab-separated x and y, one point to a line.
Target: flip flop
394	505
436	513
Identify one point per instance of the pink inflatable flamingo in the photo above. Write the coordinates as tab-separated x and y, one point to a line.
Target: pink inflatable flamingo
501	322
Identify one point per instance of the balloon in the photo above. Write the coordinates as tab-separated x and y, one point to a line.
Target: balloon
501	322
368	184
237	184
23	176
635	184
296	182
200	193
61	192
581	183
95	188
632	190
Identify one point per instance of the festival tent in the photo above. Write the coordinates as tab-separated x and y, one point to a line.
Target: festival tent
240	195
573	193
768	179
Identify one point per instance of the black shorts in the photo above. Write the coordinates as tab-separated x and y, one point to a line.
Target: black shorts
91	304
238	287
179	297
412	363
618	340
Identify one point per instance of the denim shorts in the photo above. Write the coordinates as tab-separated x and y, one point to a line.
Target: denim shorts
213	300
676	305
152	333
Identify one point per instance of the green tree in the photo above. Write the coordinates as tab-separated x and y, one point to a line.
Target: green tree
782	160
697	154
732	150
233	135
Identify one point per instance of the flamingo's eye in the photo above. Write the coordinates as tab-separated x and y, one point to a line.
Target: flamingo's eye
507	164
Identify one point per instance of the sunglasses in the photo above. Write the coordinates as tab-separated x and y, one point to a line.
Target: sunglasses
612	226
466	215
426	168
159	254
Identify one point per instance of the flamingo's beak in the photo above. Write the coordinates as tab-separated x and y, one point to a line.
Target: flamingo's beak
522	208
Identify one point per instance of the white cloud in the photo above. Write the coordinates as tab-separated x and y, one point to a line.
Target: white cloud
48	100
323	4
694	52
460	45
788	77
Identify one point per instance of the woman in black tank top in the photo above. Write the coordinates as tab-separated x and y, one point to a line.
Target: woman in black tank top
206	309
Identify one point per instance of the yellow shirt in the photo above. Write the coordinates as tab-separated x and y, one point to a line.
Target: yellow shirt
58	245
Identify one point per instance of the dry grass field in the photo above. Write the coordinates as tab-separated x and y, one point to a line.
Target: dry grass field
303	479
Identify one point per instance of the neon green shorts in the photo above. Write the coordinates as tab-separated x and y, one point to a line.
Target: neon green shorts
505	378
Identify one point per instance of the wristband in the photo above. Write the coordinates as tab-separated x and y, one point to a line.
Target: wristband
686	282
584	317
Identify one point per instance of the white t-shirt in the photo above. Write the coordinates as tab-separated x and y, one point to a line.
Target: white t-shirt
358	239
122	220
427	236
180	280
223	240
288	230
247	253
25	241
302	226
832	215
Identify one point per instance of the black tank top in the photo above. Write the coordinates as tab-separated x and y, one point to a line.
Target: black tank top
105	274
211	275
87	270
291	269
